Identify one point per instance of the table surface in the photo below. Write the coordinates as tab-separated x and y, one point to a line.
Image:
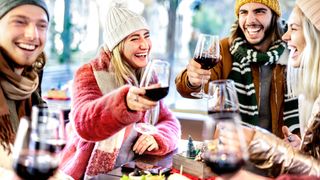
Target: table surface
163	161
166	161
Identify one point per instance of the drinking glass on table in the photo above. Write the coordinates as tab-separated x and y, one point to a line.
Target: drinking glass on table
155	80
224	140
38	144
207	53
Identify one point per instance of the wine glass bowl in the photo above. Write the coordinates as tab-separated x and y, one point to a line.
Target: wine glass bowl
224	140
38	144
207	54
155	81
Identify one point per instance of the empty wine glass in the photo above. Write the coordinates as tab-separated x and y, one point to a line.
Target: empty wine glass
224	140
155	80
38	144
207	53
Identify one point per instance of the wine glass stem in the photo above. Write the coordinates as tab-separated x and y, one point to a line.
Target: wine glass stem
153	114
201	88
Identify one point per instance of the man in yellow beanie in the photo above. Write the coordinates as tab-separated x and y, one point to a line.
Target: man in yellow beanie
255	57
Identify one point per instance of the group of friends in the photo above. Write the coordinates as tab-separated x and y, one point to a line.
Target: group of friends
107	101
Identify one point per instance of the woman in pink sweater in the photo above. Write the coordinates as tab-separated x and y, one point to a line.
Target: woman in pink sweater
106	102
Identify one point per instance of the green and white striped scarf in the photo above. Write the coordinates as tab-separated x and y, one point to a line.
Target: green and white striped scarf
243	56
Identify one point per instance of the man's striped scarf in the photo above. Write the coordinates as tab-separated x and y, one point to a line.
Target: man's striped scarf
243	56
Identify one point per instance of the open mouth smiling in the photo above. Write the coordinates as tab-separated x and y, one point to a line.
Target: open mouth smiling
27	47
293	51
141	55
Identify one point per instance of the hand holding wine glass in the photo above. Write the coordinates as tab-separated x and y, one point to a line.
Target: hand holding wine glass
226	149
155	81
38	144
207	54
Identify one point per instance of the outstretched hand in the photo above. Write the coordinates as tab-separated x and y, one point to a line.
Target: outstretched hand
136	100
293	139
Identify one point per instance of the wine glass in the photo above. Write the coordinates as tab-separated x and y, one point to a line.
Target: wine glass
224	140
155	80
207	53
38	144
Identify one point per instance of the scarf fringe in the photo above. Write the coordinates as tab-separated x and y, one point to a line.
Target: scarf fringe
7	134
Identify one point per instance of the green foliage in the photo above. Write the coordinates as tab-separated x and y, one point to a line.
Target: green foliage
207	21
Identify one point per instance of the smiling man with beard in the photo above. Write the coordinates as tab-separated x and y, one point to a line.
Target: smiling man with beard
23	32
255	57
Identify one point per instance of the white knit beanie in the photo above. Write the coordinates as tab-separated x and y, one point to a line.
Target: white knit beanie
311	9
120	23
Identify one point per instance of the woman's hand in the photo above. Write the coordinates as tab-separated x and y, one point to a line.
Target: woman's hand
293	139
145	142
136	101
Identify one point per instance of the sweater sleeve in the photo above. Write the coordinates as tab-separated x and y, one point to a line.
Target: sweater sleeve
270	152
97	116
220	71
183	86
169	131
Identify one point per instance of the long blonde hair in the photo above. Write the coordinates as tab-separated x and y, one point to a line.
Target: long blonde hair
124	73
305	79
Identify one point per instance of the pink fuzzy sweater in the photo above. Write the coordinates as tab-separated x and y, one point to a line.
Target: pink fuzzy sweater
96	117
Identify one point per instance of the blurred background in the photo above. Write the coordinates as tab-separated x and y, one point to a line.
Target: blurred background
76	33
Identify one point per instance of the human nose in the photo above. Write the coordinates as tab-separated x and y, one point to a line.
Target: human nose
250	17
286	36
31	32
144	44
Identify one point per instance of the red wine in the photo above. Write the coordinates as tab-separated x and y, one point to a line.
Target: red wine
207	62
29	167
156	94
223	163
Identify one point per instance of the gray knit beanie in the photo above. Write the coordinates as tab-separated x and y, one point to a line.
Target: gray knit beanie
120	23
8	5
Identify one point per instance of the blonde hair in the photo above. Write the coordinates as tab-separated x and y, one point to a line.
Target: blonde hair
124	73
305	79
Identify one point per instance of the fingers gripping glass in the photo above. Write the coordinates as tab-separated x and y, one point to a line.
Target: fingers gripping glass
155	80
225	144
207	54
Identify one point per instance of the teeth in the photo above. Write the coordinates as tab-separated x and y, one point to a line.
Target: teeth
292	51
27	46
253	32
143	54
253	29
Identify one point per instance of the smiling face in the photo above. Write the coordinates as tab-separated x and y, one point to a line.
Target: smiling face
137	47
254	21
23	33
294	37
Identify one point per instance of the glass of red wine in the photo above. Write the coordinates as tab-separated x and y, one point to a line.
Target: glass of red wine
155	80
38	144
226	150
207	54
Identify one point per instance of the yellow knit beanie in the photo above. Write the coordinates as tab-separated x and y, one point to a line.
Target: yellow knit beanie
272	4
